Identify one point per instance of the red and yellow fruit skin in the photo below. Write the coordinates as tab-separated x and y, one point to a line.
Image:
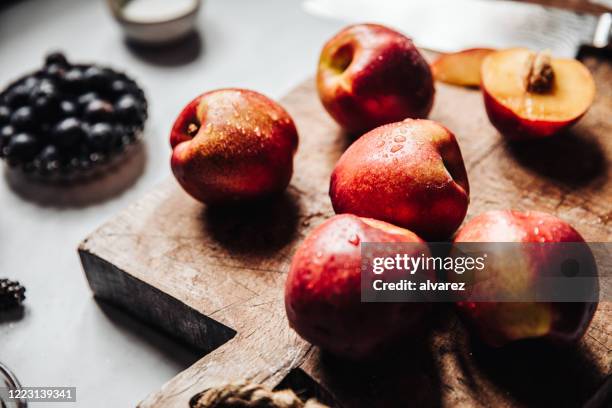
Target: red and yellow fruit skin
460	68
409	173
386	79
323	291
243	149
501	323
516	128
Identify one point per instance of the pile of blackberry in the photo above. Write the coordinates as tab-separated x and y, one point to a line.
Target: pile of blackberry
67	119
12	294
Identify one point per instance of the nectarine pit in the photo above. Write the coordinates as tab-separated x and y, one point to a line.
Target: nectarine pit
539	74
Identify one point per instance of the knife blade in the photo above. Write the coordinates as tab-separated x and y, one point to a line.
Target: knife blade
451	25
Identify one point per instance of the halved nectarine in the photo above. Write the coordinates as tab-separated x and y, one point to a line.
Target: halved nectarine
531	95
460	68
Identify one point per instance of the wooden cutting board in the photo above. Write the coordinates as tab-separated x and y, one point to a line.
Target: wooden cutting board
214	278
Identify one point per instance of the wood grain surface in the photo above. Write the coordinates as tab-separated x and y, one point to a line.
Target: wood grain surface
214	277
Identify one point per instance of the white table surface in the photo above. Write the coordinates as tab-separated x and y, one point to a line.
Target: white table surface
65	338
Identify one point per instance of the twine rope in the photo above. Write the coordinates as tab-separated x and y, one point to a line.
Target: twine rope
244	395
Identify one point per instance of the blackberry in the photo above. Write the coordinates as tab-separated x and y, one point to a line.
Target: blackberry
98	111
73	79
23	118
44	88
30	83
12	294
6	132
121	87
122	137
68	134
5	115
128	109
44	98
101	137
55	72
97	78
17	96
56	58
22	147
49	158
68	108
84	99
47	107
49	153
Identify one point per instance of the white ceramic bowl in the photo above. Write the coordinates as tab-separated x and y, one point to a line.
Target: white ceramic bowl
10	382
152	26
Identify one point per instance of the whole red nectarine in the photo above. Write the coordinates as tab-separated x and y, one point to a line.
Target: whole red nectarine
323	291
370	75
499	323
408	173
233	144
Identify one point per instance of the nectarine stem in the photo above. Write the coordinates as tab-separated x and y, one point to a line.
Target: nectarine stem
539	74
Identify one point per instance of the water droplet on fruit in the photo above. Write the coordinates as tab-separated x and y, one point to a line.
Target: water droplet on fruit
354	239
536	231
399	139
396	148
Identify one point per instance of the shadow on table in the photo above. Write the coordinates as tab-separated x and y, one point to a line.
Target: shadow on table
81	194
406	374
574	158
256	228
12	315
180	52
5	4
180	354
536	373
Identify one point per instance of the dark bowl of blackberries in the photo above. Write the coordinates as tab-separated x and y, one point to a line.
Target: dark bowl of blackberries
69	122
